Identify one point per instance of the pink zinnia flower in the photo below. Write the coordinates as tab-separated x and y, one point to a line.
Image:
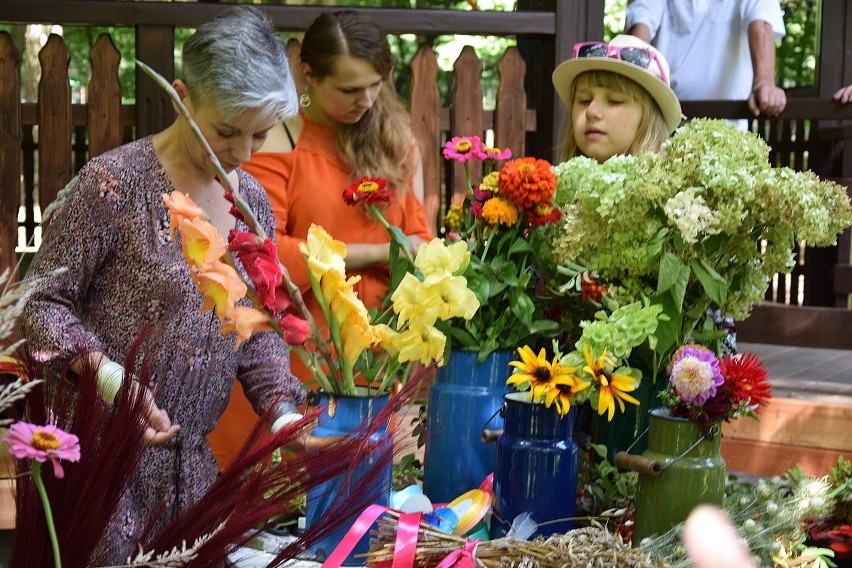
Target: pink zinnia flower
696	374
463	148
42	443
489	153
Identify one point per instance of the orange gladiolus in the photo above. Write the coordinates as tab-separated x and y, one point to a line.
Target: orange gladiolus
222	287
181	207
202	244
245	321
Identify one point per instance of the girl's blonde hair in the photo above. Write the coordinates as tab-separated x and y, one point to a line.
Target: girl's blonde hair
380	143
652	130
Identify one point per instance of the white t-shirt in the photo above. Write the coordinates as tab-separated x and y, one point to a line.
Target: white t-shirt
706	42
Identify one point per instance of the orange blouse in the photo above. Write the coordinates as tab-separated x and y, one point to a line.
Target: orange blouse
306	186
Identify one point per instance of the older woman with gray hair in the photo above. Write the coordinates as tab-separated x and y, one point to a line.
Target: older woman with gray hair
126	272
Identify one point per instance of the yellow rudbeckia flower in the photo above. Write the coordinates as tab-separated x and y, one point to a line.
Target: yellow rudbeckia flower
613	387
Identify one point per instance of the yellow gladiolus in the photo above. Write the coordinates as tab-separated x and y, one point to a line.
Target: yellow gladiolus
413	301
323	253
421	343
435	257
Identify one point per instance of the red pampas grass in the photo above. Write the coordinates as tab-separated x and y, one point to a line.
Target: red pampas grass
84	501
249	492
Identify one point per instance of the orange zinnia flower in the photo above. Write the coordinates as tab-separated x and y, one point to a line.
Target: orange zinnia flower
527	182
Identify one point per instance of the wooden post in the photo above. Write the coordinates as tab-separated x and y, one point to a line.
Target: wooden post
54	120
425	110
10	152
155	48
104	106
510	114
466	116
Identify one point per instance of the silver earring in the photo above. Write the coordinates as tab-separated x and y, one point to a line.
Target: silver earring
304	100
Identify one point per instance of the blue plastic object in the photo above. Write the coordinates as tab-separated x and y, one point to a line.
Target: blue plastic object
536	467
350	411
464	397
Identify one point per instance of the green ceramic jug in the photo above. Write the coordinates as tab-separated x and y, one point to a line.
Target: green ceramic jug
689	471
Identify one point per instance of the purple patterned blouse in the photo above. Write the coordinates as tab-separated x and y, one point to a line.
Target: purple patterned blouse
126	272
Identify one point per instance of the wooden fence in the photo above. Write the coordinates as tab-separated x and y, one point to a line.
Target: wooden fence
45	143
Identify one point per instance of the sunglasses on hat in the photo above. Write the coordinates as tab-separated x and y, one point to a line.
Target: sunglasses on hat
634	55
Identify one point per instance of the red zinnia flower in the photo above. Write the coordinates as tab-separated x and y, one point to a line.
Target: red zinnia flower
543	214
367	190
746	376
527	182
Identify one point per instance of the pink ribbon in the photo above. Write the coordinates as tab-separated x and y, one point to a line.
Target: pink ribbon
461	558
405	546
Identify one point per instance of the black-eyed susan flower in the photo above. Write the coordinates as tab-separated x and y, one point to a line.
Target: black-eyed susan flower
612	387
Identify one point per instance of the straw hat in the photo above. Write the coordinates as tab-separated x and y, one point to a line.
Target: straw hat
651	79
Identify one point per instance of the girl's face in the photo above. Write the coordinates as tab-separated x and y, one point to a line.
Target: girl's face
605	121
347	93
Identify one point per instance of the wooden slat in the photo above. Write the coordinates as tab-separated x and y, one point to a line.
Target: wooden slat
767	459
797	325
790	421
54	118
104	106
466	115
804	326
10	151
425	102
510	112
153	106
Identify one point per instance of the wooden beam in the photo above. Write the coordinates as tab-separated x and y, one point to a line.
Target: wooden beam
766	459
795	422
802	326
290	18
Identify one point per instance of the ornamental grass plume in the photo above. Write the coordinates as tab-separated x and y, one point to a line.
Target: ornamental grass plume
704	224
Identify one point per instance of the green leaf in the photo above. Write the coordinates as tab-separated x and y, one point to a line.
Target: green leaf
714	285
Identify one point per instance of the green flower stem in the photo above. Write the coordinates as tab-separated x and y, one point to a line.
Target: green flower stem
405	246
48	514
248	216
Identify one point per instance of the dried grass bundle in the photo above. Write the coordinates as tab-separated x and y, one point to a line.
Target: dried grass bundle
588	546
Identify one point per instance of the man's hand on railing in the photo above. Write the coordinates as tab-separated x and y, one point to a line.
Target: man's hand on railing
767	99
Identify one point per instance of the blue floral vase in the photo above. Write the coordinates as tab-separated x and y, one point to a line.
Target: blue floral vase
536	467
465	397
344	415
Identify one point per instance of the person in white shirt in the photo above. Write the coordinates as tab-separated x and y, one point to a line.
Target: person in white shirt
717	49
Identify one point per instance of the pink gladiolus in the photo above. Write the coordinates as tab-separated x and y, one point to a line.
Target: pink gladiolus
42	443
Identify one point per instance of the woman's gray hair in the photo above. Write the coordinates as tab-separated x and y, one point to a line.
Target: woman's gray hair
239	61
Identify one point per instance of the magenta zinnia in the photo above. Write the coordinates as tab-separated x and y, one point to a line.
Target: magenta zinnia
367	190
42	443
463	148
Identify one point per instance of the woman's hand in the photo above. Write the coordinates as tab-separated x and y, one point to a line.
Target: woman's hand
160	428
844	95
